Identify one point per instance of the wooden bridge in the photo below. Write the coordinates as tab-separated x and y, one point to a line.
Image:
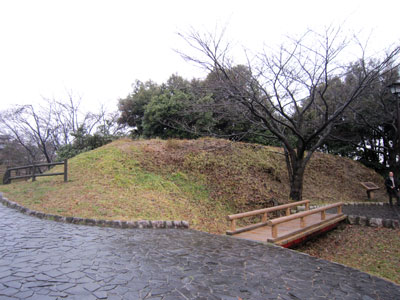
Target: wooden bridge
290	229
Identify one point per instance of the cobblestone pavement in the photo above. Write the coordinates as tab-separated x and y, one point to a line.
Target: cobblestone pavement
384	211
49	260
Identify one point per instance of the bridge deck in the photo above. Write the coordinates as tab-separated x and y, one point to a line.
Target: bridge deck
290	233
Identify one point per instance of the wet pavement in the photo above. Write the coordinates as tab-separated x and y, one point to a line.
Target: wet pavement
42	259
384	211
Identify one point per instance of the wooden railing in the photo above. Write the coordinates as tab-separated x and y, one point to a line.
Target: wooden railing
301	216
33	171
264	216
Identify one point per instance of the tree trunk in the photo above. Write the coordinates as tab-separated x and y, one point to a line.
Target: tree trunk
296	165
392	161
296	181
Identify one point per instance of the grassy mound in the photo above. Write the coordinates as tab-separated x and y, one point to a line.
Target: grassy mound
201	181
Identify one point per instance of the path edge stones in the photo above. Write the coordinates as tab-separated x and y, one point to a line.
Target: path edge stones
142	224
368	221
364	220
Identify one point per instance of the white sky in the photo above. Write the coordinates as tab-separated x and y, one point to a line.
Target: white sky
97	49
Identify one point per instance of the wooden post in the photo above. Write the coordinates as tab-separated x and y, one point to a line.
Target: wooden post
339	209
288	211
308	206
274	230
33	172
65	170
6	177
302	222
264	217
323	215
233	225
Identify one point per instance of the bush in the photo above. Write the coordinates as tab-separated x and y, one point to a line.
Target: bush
83	142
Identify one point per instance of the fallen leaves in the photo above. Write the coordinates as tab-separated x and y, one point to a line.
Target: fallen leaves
372	250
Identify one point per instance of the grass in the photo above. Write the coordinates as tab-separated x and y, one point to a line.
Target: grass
201	181
204	180
372	250
108	183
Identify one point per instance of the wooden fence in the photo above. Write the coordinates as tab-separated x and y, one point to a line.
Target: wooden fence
33	171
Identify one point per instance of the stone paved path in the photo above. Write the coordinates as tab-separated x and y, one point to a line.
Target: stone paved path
384	211
48	260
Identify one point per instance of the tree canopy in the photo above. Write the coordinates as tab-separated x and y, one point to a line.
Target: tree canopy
301	96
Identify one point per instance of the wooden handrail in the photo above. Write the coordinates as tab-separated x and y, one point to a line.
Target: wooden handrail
264	212
37	175
267	210
302	215
34	165
7	175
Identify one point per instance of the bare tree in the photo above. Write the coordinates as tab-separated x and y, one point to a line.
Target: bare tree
286	93
12	153
108	123
42	130
68	118
29	126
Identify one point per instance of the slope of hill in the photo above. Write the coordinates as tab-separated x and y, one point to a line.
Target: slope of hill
196	180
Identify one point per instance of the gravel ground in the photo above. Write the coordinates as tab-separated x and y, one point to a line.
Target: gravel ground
373	211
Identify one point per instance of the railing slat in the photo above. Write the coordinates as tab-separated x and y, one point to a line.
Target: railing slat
275	222
38	165
7	176
306	213
266	210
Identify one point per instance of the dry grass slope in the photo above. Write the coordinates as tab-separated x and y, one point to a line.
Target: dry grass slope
196	180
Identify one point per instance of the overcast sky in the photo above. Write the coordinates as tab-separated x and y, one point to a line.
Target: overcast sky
97	49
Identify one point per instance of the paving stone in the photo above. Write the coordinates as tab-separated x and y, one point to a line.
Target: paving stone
41	259
24	295
100	294
58	294
8	292
64	286
53	273
40	284
77	290
5	273
42	277
115	297
92	286
76	275
24	274
8	298
41	297
13	284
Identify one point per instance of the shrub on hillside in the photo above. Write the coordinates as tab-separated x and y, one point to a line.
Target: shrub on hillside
83	142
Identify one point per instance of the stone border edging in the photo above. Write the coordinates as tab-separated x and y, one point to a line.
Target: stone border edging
372	222
95	222
364	220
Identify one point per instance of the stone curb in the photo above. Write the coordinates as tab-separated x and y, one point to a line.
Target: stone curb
95	222
372	222
364	220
